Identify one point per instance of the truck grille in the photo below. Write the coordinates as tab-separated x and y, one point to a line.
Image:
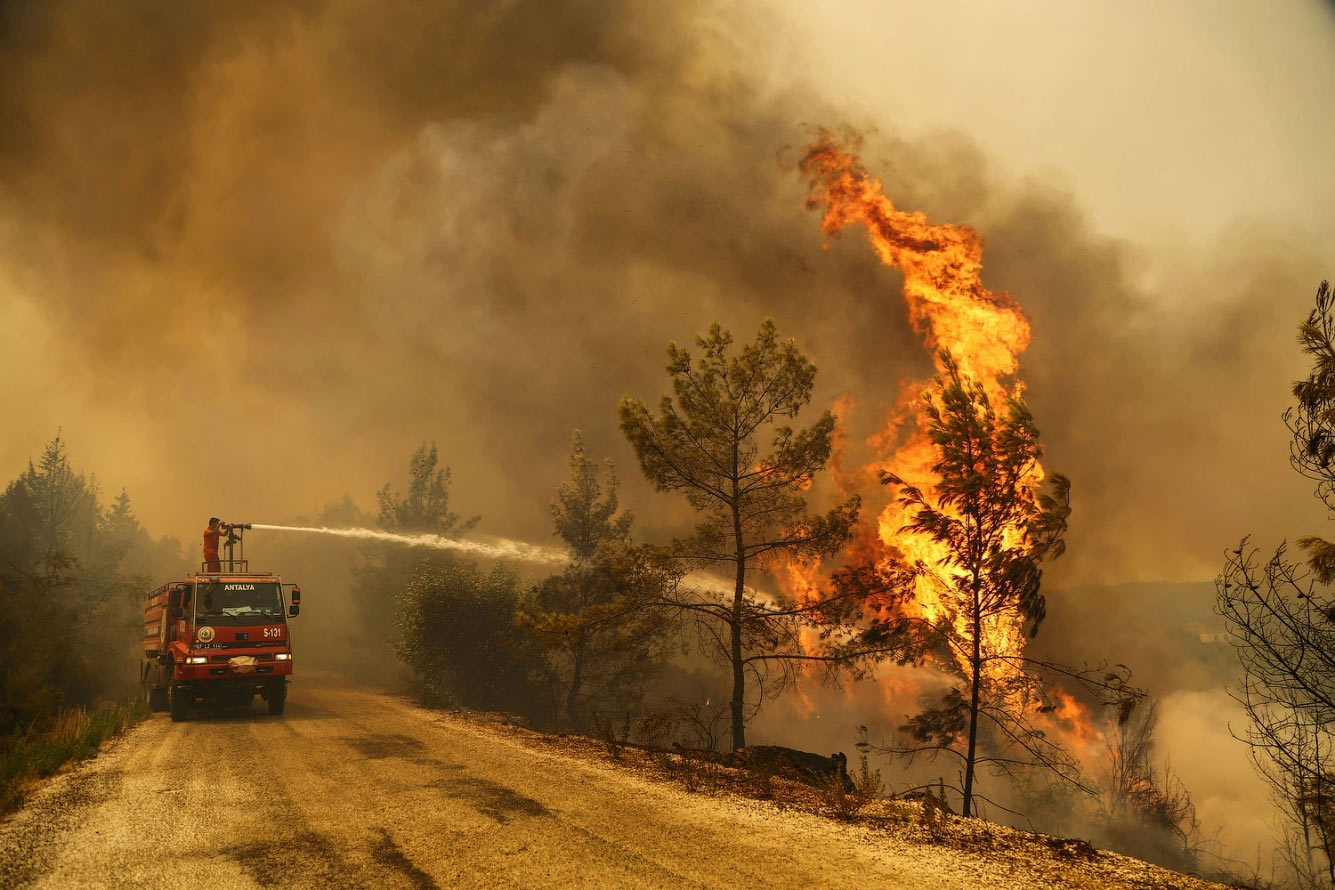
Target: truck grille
259	656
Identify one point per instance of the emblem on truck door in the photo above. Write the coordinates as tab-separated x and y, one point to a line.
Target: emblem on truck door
205	634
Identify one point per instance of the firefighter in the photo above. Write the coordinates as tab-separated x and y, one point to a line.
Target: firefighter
215	531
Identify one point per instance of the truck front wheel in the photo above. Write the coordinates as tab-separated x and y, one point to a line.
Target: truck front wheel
277	697
178	699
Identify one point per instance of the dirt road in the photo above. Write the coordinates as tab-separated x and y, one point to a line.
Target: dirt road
355	789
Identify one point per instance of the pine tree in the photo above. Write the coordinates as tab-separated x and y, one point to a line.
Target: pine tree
720	441
603	616
384	569
996	528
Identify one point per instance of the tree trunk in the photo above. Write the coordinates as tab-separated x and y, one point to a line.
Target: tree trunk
738	666
977	666
572	697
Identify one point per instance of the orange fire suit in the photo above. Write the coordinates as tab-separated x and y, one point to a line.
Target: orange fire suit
211	536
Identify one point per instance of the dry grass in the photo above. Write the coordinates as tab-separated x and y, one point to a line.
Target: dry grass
75	734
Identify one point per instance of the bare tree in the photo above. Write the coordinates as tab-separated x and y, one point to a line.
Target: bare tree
1281	617
1281	626
1144	807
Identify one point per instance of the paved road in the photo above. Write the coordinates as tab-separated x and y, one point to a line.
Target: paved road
354	789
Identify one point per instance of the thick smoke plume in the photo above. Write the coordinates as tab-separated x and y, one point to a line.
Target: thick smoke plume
237	241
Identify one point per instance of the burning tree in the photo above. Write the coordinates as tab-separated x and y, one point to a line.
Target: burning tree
708	444
1144	808
1281	616
991	527
952	575
602	617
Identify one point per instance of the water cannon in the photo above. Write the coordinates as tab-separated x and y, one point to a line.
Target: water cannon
234	529
234	537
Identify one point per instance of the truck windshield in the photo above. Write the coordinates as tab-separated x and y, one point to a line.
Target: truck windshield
239	601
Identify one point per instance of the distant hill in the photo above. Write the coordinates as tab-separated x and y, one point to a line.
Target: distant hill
1166	632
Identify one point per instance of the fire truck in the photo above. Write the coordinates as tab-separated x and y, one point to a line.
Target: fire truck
218	637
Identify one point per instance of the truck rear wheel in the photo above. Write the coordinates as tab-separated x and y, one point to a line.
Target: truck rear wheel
155	697
277	697
178	699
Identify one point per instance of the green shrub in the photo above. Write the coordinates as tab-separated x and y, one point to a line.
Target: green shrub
457	632
75	734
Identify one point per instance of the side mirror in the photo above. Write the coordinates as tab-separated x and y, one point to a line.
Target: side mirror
296	595
178	612
174	598
294	610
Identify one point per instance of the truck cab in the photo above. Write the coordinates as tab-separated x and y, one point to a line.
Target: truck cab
218	637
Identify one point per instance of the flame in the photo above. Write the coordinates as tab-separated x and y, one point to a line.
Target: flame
947	303
1072	718
984	331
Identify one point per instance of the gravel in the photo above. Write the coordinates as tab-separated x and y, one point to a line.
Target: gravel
355	789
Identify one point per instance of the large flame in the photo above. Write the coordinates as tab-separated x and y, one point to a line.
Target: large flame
984	332
947	302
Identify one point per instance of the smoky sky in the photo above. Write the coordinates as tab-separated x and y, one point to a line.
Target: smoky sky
252	255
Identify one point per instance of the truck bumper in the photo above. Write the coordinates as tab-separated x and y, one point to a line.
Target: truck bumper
228	674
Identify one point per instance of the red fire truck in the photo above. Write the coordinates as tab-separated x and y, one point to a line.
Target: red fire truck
218	637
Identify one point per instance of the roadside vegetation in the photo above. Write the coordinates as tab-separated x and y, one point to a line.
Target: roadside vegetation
72	572
72	735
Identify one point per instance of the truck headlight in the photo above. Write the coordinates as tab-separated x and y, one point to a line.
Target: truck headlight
283	656
197	659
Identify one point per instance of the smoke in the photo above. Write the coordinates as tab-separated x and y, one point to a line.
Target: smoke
375	224
251	255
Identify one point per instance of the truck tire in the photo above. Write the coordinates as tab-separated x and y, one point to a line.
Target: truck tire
277	698
178	699
155	697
